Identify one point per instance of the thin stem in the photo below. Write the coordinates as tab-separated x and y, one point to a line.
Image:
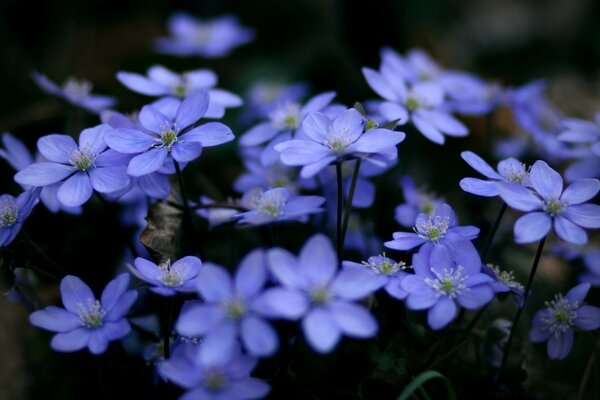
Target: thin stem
42	253
188	224
340	206
492	233
167	328
588	370
472	323
108	207
513	328
348	207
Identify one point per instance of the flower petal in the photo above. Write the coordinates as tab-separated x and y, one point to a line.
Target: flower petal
251	274
585	215
76	190
129	141
559	346
532	227
568	231
352	319
588	318
198	319
109	179
210	134
71	341
147	163
317	260
259	337
214	283
57	148
192	108
55	319
442	313
321	332
43	174
581	191
546	181
479	165
519	197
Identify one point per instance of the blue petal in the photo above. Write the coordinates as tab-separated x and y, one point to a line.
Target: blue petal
214	283
259	337
71	341
147	163
519	197
55	319
153	120
316	126
129	141
588	318
352	319
318	102
108	180
76	190
479	165
442	313
43	174
321	332
140	84
317	260
198	319
251	274
377	140
76	295
210	134
427	128
57	148
546	181
393	111
532	227
186	151
568	231
93	138
580	191
479	187
192	108
379	84
559	346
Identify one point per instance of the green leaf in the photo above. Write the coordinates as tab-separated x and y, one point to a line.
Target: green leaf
359	107
390	125
421	379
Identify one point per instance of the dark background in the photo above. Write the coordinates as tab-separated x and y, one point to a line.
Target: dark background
322	42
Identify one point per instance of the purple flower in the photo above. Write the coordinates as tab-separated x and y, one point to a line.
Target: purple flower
591	262
163	139
550	205
313	289
560	318
285	122
76	92
161	81
439	233
169	279
230	310
440	285
583	133
263	97
18	156
277	205
344	137
85	321
385	273
217	216
417	201
227	378
420	102
509	170
14	212
81	169
504	281
205	38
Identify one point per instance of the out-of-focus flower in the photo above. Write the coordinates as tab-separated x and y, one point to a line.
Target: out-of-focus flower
548	205
583	133
560	318
416	202
190	36
85	321
263	97
76	92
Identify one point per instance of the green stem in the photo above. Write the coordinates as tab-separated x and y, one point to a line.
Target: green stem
588	369
107	206
340	206
348	207
167	328
188	223
513	328
492	233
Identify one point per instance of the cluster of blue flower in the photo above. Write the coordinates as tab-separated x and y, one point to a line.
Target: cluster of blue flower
321	147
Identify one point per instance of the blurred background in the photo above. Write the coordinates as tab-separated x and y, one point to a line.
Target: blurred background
323	42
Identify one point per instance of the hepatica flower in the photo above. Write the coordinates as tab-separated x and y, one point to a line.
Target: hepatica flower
14	212
561	317
509	170
169	279
440	286
76	92
313	289
230	310
549	205
227	378
417	201
330	140
277	205
421	103
505	281
583	133
82	168
384	273
168	137
263	97
205	38
161	81
440	232
86	321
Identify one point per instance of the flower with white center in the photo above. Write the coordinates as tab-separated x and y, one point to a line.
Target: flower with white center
560	318
168	279
86	321
13	212
417	201
384	273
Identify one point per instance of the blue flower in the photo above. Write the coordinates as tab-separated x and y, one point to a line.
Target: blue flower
385	273
81	168
169	136
230	310
226	378
263	97
560	318
591	262
583	133
285	122
205	38
509	170
342	138
85	321
14	212
549	205
420	102
440	232
417	201
162	81
76	92
440	285
277	205
504	281
169	279
313	289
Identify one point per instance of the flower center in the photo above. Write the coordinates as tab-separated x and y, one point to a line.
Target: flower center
450	283
82	159
170	277
9	213
412	104
319	296
215	380
506	277
76	89
168	138
235	308
434	229
271	205
554	207
92	316
286	116
371	124
561	315
383	265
